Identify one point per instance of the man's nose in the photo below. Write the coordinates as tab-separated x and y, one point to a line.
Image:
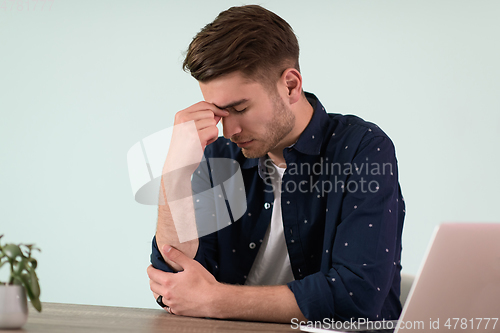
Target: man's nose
230	126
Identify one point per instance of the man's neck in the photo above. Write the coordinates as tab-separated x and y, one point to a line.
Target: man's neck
303	111
278	160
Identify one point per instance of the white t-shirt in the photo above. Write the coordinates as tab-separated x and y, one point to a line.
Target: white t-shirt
272	264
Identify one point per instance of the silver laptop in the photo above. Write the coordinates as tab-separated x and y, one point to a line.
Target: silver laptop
457	288
458	285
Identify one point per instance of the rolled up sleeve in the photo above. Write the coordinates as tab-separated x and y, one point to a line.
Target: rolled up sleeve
159	263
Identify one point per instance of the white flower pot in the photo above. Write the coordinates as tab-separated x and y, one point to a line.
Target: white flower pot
13	306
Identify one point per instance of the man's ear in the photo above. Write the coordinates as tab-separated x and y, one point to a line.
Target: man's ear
293	82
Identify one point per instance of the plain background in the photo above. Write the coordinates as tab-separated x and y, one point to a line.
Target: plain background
82	81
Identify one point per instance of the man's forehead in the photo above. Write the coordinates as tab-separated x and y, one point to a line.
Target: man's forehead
229	90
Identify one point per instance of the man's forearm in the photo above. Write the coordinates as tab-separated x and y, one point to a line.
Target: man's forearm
167	231
256	303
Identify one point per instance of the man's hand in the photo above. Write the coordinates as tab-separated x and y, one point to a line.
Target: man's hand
194	292
194	129
206	116
189	292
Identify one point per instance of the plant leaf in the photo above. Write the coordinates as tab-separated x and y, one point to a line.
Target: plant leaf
35	286
12	251
25	279
36	304
33	262
20	266
33	290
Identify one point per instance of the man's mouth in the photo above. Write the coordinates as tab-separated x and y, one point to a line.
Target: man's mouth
243	144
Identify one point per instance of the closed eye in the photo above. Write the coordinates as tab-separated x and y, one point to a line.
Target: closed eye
242	110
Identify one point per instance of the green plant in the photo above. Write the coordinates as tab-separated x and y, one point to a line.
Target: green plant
22	269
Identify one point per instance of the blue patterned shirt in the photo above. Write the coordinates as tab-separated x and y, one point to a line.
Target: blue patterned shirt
343	215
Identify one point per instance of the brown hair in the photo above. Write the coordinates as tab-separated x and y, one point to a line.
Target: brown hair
250	39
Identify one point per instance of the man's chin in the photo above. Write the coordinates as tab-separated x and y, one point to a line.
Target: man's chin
251	153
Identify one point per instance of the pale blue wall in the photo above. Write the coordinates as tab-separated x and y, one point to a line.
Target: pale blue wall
82	82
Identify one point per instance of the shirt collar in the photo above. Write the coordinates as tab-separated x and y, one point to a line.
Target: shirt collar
311	139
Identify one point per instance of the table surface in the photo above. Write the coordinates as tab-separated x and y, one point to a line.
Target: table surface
74	318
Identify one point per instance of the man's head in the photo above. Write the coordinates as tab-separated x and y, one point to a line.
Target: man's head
248	39
246	62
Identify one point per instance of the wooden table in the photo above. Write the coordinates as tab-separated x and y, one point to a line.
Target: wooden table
73	318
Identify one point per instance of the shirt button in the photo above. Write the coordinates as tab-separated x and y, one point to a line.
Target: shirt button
252	245
267	205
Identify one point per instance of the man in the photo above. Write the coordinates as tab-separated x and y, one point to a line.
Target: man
321	235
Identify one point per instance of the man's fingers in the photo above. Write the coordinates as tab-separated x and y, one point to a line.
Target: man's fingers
208	135
206	117
159	281
201	106
157	276
156	288
149	270
213	115
220	112
205	122
176	256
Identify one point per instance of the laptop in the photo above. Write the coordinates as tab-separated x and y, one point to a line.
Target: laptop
457	287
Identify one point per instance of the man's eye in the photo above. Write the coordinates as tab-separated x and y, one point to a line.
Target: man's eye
242	110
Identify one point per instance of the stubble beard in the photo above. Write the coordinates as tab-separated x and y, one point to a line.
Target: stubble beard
280	126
